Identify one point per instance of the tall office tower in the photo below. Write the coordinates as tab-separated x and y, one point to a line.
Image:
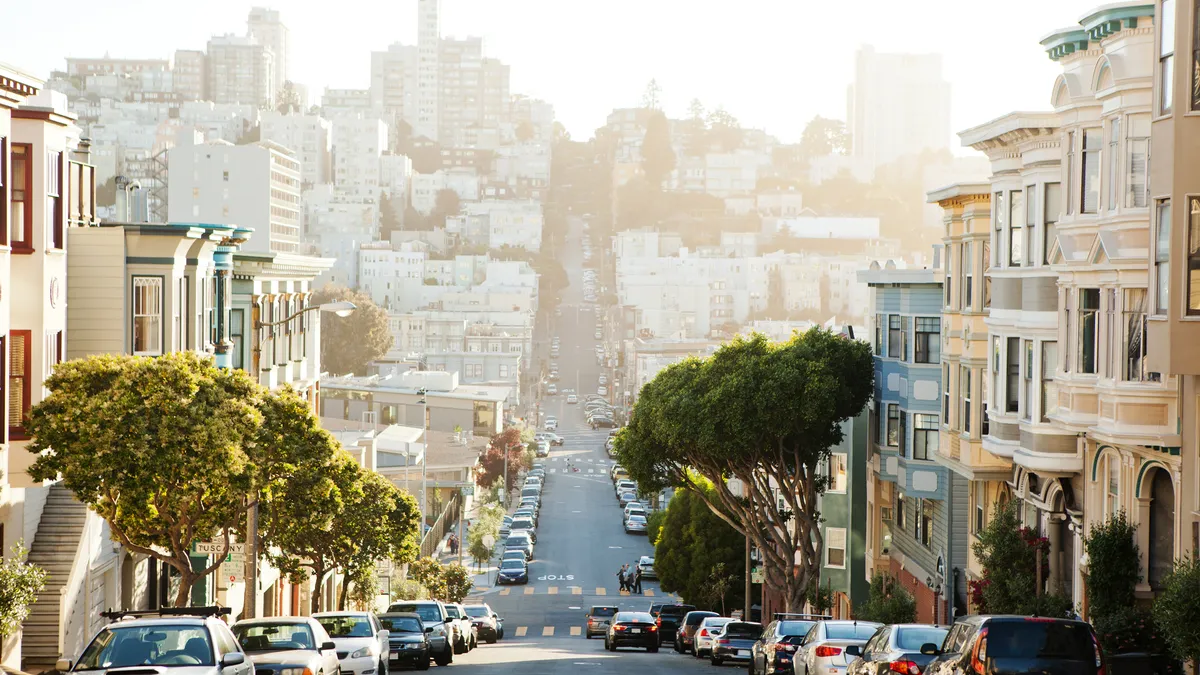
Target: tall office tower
241	70
898	106
266	26
189	74
428	46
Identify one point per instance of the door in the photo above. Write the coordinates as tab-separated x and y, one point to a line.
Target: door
1162	527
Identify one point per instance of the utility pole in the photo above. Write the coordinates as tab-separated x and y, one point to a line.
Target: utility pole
250	603
747	586
425	458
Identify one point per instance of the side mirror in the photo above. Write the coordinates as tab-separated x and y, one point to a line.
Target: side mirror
233	659
328	644
930	649
429	629
62	665
385	634
853	650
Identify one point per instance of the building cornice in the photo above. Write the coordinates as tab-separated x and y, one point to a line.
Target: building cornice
959	193
1010	129
16	86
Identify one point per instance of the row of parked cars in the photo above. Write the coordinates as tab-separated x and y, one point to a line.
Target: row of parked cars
519	530
408	635
634	511
599	413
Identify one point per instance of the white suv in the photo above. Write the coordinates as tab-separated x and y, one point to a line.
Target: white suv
194	638
361	641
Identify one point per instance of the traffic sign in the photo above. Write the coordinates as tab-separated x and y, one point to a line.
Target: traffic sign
216	548
468	490
489	541
233	572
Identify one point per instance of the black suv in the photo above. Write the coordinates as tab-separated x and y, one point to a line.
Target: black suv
1013	645
669	619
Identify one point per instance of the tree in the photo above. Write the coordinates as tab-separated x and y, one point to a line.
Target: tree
458	582
429	573
350	344
389	217
658	159
1113	565
506	444
652	96
887	602
763	415
379	521
479	551
718	585
364	589
724	130
20	584
524	131
155	446
1177	610
691	542
696	111
288	101
447	203
823	136
1009	555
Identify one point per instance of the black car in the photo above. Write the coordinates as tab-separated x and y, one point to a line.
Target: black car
736	642
775	648
513	572
603	422
408	645
632	629
1015	645
669	618
685	640
895	647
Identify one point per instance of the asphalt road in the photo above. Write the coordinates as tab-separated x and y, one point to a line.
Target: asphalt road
581	541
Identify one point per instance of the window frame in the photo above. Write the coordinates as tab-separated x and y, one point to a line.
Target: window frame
900	511
837	459
926	522
1113	187
134	315
948	284
237	336
25	245
16	432
1135	319
1111	478
891	435
1137	190
1031	217
923	429
1012	375
1166	57
946	394
1027	380
1161	256
55	233
1069	207
895	342
3	193
844	548
967	269
1090	169
929	338
964	387
1016	230
1086	316
1051	212
1049	354
999	211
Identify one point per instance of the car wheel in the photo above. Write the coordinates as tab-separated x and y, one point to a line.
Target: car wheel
652	649
678	649
424	665
383	669
446	657
715	661
493	638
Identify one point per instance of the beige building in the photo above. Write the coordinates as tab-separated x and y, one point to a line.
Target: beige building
395	399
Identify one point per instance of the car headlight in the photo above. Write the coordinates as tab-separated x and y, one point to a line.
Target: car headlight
298	670
365	651
439	630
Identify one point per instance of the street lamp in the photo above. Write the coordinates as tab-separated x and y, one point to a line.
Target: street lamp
341	308
424	401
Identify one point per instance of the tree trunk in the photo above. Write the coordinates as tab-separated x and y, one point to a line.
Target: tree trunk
344	592
315	601
184	597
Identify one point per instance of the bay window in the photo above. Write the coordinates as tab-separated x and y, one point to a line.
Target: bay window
999	212
894	339
925	436
1016	228
1089	177
1166	57
984	415
879	319
947	286
927	340
1030	221
1137	145
1012	383
1051	208
237	335
1049	400
1135	337
904	440
1193	257
1088	309
893	425
1114	162
964	385
1027	382
1162	254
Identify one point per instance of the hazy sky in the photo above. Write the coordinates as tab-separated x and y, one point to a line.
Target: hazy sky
774	64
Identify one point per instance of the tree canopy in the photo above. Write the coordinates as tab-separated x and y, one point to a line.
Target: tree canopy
20	582
349	344
823	136
693	544
658	158
887	602
754	416
508	444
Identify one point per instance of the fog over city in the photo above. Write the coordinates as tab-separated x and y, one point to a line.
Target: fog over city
841	338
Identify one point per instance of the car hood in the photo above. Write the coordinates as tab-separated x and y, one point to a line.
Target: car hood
285	657
404	638
150	670
513	573
352	643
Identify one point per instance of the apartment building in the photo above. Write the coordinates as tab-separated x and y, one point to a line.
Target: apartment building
241	70
886	121
844	514
478	409
256	185
189	75
425	187
358	143
267	27
337	102
394	81
429	89
511	224
309	137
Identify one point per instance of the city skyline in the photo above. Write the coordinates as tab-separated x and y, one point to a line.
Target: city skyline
583	88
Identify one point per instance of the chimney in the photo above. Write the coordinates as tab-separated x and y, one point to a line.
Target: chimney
83	151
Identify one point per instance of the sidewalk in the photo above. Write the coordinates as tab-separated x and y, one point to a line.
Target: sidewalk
482	579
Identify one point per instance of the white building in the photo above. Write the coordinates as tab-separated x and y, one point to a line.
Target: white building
516	224
190	75
358	143
428	71
266	26
255	186
241	70
394	81
337	102
308	136
899	105
426	186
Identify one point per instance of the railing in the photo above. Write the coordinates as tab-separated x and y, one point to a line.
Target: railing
447	520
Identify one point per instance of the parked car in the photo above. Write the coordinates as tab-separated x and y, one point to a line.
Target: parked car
685	636
735	642
706	635
280	643
467	635
543	449
158	642
895	648
603	423
777	646
669	617
437	626
598	619
488	624
627	497
552	389
525	525
1007	645
408	643
531	492
635	508
602	390
526	513
520	541
554	438
635	524
512	554
513	570
632	629
361	641
572	398
617	472
824	647
624	485
551	423
646	565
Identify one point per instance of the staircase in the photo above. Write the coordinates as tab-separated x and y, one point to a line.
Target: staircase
54	548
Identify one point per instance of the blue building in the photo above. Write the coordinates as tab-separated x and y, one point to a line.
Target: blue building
917	529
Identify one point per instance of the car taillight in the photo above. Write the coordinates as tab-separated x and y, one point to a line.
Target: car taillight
904	667
785	647
658	621
1099	655
618	628
703	632
653	628
979	656
722	642
823	652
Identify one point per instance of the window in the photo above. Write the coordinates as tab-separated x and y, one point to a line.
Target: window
927	506
237	335
185	340
1196	59
947	285
968	271
984	415
3	192
1089	177
1012	383
987	280
1030	221
1135	337
1162	254
877	420
503	370
894	340
904	440
925	436
980	519
900	510
1049	389
835	547
54	201
905	327
1166	57
1070	175
1112	484
1051	208
21	192
1114	162
1089	307
964	385
20	381
946	393
998	214
147	316
1110	328
893	425
927	341
54	351
1016	224
837	472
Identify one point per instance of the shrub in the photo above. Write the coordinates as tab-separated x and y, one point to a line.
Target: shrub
457	580
654	523
887	602
1010	555
1177	610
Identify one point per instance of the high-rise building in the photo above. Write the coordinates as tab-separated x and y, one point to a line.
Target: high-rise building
308	136
255	186
189	75
428	72
394	80
358	143
898	106
241	70
266	26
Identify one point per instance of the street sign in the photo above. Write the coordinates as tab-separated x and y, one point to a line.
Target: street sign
235	559
468	490
216	548
233	572
756	575
489	541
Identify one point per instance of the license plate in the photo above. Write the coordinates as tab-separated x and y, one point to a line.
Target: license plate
743	652
636	630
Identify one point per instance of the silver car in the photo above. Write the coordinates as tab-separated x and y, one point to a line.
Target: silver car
824	649
635	524
708	633
196	644
362	642
286	643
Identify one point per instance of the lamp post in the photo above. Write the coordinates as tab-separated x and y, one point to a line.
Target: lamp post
250	604
424	401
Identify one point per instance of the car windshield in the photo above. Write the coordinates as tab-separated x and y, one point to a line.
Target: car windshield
346	626
635	518
715	621
640	617
849	631
1040	639
603	611
742	631
513	564
646	560
121	647
911	639
516	540
275	636
428	613
795	628
520	523
477	610
401	624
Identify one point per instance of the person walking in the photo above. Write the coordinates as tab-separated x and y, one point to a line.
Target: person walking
621	577
453	545
637	580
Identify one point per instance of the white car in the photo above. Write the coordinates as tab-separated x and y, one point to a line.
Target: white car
572	398
361	641
552	389
291	641
603	379
551	423
708	632
602	390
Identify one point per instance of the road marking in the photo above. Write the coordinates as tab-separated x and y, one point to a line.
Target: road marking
576	631
505	591
553	590
529	590
577	512
574	608
521	631
649	593
547	631
625	593
591	471
600	591
614	547
576	590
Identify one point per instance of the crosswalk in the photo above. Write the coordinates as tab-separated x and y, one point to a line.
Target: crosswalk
573	590
584	465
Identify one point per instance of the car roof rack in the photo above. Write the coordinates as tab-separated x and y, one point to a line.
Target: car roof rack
794	615
209	610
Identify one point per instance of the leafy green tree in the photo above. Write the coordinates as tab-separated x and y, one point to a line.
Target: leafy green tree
762	415
887	602
20	583
364	589
288	101
479	551
1009	555
155	446
379	521
1114	568
658	158
720	583
458	582
823	136
652	96
1177	610
349	344
431	574
691	543
654	523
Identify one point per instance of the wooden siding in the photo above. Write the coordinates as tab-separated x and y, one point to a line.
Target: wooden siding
96	311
